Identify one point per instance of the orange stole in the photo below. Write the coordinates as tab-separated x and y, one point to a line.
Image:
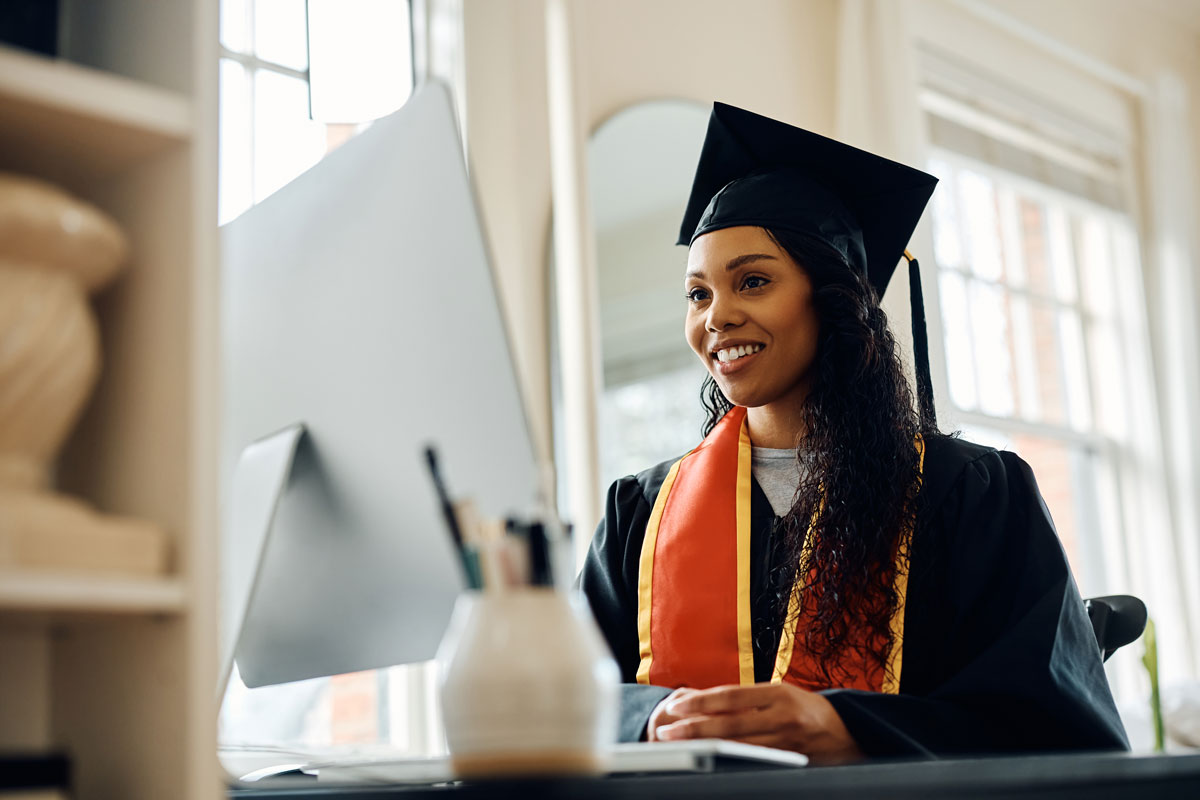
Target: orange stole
694	624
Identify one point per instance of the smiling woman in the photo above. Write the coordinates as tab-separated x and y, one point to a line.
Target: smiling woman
881	589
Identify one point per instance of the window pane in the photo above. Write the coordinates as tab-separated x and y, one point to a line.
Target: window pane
1049	364
1029	401
235	189
993	360
1075	372
978	204
1095	265
281	32
235	30
952	297
286	141
1062	255
1127	278
1108	379
947	245
1010	232
1035	250
1107	516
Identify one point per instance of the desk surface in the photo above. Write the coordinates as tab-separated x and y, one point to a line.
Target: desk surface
1087	777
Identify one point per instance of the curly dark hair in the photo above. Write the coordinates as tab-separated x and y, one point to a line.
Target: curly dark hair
861	471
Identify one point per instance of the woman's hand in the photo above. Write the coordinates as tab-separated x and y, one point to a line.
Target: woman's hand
771	714
660	717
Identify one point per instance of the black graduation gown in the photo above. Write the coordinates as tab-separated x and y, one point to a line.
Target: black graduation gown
999	655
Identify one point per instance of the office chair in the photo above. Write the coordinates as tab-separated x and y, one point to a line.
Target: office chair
1117	620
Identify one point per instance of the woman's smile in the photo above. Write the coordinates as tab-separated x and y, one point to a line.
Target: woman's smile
731	358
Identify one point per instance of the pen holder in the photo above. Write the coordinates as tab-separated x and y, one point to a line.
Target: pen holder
527	685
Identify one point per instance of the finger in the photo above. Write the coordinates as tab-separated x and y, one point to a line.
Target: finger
726	699
722	726
657	723
659	717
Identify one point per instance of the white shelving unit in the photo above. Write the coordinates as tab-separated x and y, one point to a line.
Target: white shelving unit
120	672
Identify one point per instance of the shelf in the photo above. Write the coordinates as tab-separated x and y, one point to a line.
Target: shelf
62	119
89	594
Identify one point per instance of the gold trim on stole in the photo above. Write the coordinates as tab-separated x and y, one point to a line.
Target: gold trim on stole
646	572
891	675
745	633
787	636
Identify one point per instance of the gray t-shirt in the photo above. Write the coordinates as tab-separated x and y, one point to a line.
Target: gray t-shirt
778	473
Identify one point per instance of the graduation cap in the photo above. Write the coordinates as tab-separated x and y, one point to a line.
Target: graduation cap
758	171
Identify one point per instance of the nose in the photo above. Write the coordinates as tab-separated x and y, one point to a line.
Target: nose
723	312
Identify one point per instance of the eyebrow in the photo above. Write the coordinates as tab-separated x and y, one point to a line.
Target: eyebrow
737	261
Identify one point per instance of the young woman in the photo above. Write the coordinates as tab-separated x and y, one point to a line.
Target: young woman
826	572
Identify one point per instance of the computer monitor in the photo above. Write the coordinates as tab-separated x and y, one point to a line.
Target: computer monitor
358	303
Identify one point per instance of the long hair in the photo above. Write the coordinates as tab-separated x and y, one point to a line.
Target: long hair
859	466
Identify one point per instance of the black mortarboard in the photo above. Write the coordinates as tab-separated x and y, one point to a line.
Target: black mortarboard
754	170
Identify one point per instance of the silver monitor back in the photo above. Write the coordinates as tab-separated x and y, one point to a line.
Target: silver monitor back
359	302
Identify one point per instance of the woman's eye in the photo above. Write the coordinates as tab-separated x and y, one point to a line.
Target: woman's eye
754	282
697	295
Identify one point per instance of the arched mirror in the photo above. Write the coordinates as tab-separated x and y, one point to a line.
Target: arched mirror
640	167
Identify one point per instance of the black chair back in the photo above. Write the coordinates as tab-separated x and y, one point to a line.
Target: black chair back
1117	620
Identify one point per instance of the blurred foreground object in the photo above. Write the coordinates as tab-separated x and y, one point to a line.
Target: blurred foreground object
1181	713
54	251
527	685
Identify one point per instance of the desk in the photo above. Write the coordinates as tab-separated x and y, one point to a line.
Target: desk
1086	777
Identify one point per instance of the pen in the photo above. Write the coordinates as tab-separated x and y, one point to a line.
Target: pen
469	562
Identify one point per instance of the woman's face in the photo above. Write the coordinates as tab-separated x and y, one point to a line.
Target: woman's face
750	317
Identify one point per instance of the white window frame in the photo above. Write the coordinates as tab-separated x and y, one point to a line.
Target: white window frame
1094	550
253	64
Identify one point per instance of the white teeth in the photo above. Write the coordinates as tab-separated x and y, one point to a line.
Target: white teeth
734	353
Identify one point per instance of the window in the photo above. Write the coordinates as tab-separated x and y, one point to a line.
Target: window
284	62
1044	334
1035	349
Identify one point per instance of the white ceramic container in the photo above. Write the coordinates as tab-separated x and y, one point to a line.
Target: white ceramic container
527	685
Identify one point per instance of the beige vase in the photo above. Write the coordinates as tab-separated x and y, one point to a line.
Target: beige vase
54	250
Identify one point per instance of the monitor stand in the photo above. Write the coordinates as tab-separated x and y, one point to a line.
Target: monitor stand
259	481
